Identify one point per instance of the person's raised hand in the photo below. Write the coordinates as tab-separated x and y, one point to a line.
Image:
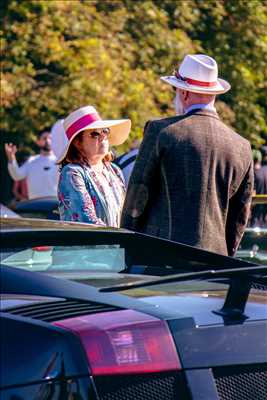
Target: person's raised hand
10	150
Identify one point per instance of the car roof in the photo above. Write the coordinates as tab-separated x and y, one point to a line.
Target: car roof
36	224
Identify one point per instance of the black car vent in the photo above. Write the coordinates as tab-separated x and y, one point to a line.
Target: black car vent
57	310
159	386
241	383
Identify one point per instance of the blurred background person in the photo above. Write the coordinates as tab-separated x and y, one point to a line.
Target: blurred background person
40	170
20	188
264	170
91	188
259	211
260	173
264	156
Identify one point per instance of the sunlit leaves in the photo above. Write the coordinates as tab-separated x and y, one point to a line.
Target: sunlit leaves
59	55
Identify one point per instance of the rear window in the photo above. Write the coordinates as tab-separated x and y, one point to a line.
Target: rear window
67	258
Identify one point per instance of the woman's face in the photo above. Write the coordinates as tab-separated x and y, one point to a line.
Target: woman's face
94	143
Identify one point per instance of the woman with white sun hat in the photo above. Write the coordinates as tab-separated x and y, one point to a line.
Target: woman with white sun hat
91	189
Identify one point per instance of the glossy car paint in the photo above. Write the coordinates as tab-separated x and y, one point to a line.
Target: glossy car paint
204	341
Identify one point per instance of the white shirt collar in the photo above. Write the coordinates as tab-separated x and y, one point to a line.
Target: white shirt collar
208	106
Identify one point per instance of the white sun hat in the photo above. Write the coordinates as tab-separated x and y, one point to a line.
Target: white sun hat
199	74
88	118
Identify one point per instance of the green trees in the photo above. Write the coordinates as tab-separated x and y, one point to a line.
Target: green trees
235	33
61	54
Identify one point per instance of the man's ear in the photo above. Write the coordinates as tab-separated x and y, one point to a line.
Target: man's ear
186	94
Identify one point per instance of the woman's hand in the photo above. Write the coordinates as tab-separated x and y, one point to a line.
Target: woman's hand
10	150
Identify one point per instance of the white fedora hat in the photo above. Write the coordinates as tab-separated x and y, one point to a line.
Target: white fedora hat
199	74
88	118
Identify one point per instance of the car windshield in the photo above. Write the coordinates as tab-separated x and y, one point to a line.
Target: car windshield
57	258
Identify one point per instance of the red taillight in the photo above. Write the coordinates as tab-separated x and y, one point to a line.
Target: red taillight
125	342
42	248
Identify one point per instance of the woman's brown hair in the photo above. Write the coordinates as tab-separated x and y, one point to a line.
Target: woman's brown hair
74	156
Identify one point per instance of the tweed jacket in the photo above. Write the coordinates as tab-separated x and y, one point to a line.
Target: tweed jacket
192	183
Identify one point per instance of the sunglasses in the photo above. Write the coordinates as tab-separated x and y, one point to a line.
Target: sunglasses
99	132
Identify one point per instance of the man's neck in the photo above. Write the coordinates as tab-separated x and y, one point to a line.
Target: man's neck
207	106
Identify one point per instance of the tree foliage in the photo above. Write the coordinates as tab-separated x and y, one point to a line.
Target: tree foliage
59	55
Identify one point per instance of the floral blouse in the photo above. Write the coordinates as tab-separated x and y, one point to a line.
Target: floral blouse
87	196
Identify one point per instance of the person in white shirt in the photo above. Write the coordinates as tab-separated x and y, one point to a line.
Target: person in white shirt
40	170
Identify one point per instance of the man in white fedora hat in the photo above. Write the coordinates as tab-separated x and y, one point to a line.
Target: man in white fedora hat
193	177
